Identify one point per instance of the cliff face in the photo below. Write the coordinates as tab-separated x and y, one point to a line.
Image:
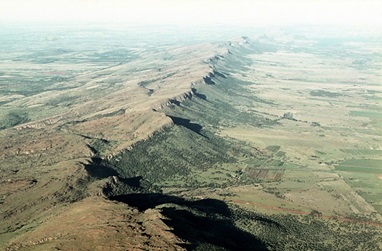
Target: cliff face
121	155
43	162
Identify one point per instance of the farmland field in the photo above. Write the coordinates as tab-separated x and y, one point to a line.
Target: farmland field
270	141
293	144
332	152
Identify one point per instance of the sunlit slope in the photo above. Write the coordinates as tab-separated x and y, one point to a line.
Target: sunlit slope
196	148
51	128
278	153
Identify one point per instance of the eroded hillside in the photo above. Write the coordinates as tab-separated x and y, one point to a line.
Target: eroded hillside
53	133
206	146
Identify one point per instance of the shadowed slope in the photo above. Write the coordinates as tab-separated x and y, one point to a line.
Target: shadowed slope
204	224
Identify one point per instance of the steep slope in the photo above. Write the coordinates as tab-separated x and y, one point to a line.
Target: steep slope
191	161
46	162
141	163
51	163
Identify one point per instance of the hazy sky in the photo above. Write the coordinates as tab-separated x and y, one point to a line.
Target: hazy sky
253	12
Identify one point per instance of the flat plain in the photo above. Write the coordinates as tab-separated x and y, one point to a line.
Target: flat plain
329	128
145	142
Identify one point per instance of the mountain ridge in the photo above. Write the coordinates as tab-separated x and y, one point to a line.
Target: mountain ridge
37	140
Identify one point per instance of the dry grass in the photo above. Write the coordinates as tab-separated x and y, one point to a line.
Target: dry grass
98	224
42	161
314	88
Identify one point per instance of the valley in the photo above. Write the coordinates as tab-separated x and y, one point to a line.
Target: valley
272	143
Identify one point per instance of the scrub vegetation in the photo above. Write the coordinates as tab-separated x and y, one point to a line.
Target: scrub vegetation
269	143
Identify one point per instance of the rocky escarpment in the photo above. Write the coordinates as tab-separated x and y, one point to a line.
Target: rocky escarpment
216	67
53	161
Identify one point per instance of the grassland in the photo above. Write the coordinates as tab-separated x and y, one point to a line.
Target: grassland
326	136
66	104
191	147
283	148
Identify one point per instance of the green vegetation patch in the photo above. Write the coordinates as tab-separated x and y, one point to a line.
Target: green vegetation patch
171	153
323	93
100	146
308	232
220	104
362	151
273	149
63	100
358	169
274	163
363	162
265	174
368	114
361	165
14	118
280	154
